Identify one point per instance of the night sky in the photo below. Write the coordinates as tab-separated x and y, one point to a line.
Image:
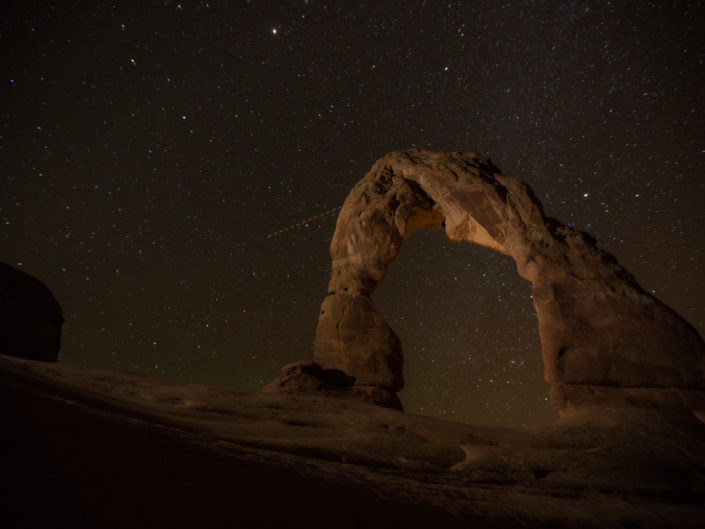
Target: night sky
149	149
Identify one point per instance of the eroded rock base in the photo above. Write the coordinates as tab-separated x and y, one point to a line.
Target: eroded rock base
569	399
309	378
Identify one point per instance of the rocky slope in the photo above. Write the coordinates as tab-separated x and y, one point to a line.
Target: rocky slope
90	448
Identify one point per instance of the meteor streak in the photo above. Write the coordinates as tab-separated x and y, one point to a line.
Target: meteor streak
305	221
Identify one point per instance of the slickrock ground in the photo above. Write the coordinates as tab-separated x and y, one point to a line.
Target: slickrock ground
89	448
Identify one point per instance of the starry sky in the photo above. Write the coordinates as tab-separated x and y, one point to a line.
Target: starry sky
149	148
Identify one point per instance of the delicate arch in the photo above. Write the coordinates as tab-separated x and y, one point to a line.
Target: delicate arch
603	338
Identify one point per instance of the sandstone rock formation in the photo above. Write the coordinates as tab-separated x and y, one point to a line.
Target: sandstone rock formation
310	377
601	334
30	317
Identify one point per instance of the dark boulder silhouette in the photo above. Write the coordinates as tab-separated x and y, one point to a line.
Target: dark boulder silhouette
30	317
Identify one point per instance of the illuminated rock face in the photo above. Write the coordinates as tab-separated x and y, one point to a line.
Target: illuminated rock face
30	317
598	327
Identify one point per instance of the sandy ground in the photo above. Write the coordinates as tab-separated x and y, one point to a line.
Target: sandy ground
83	447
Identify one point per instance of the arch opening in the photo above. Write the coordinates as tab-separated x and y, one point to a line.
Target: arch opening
468	331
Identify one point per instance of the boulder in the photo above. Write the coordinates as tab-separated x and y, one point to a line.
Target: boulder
306	378
30	317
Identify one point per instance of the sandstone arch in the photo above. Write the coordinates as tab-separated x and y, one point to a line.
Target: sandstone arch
604	340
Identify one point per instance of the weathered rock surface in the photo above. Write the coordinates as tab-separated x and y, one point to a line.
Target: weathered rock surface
309	378
30	317
354	337
598	327
91	448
